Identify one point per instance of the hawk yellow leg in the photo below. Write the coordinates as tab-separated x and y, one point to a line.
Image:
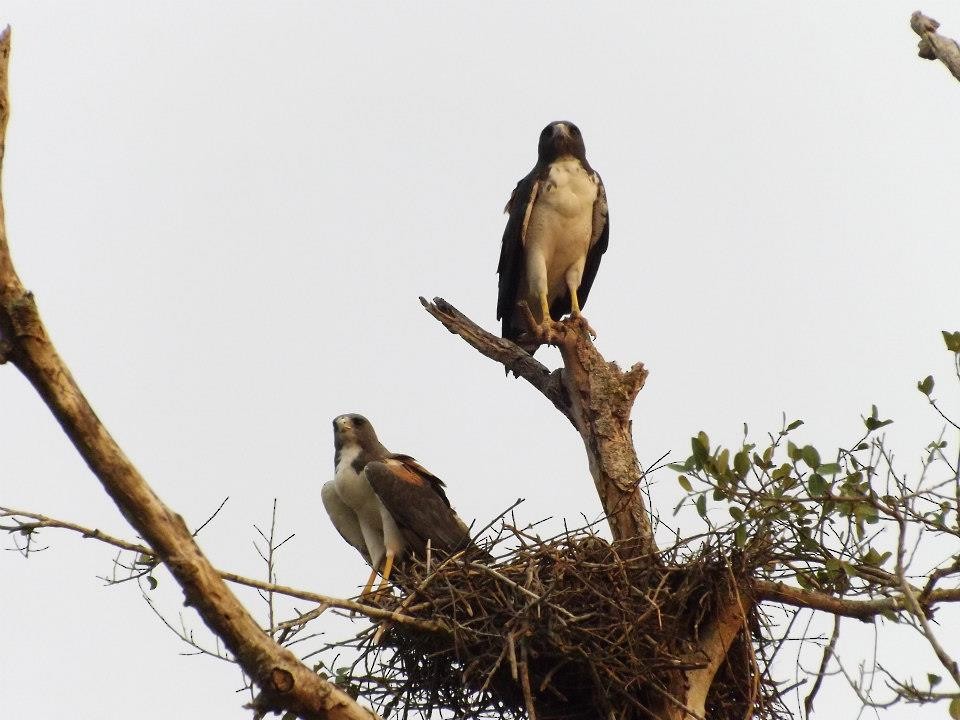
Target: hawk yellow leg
369	586
574	303
575	311
385	575
544	308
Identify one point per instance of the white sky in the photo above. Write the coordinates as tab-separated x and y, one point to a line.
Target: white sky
227	212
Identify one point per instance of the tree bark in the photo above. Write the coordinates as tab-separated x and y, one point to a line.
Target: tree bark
933	46
286	683
596	396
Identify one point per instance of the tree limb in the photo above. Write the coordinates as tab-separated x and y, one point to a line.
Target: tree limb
714	645
43	521
595	395
864	610
285	682
511	355
933	46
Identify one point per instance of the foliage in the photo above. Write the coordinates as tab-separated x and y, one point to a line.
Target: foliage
845	523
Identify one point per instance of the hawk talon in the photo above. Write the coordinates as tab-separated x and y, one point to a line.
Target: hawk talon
546	332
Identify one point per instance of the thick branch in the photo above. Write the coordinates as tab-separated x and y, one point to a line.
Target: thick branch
861	609
933	46
714	645
286	683
596	396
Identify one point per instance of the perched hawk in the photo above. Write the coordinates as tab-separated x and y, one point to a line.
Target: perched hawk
386	505
555	236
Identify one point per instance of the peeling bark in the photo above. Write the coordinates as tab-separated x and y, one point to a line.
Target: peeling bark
595	395
933	46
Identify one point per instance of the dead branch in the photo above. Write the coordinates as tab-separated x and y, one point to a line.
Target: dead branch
511	355
326	601
933	46
595	395
864	610
284	681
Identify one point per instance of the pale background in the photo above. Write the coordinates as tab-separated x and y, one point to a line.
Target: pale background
227	212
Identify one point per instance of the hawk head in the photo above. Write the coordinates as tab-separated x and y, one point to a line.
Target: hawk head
558	139
353	429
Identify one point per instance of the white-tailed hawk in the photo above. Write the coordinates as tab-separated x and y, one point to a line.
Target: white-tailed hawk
555	236
384	504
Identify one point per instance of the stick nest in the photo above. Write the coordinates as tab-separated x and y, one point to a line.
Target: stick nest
563	628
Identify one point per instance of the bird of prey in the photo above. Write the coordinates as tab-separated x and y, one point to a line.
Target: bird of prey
384	504
555	236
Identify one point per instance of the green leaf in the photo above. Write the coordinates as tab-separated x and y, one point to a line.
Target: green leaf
740	536
794	425
810	456
793	452
700	446
874	422
702	505
723	460
926	385
829	469
955	709
684	482
736	513
816	485
934	680
152	581
952	340
741	463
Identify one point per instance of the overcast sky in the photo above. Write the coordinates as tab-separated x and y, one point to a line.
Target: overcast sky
227	212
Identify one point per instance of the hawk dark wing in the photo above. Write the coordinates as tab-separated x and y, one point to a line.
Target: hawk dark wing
417	502
512	265
598	245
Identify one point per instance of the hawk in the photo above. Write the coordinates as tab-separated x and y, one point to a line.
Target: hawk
384	504
555	236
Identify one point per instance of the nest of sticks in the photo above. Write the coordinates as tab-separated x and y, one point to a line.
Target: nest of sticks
564	628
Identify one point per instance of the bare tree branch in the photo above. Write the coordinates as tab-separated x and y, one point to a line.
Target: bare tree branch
595	395
933	46
284	681
864	610
375	613
511	355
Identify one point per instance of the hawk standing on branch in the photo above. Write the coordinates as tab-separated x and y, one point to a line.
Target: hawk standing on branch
555	235
386	505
